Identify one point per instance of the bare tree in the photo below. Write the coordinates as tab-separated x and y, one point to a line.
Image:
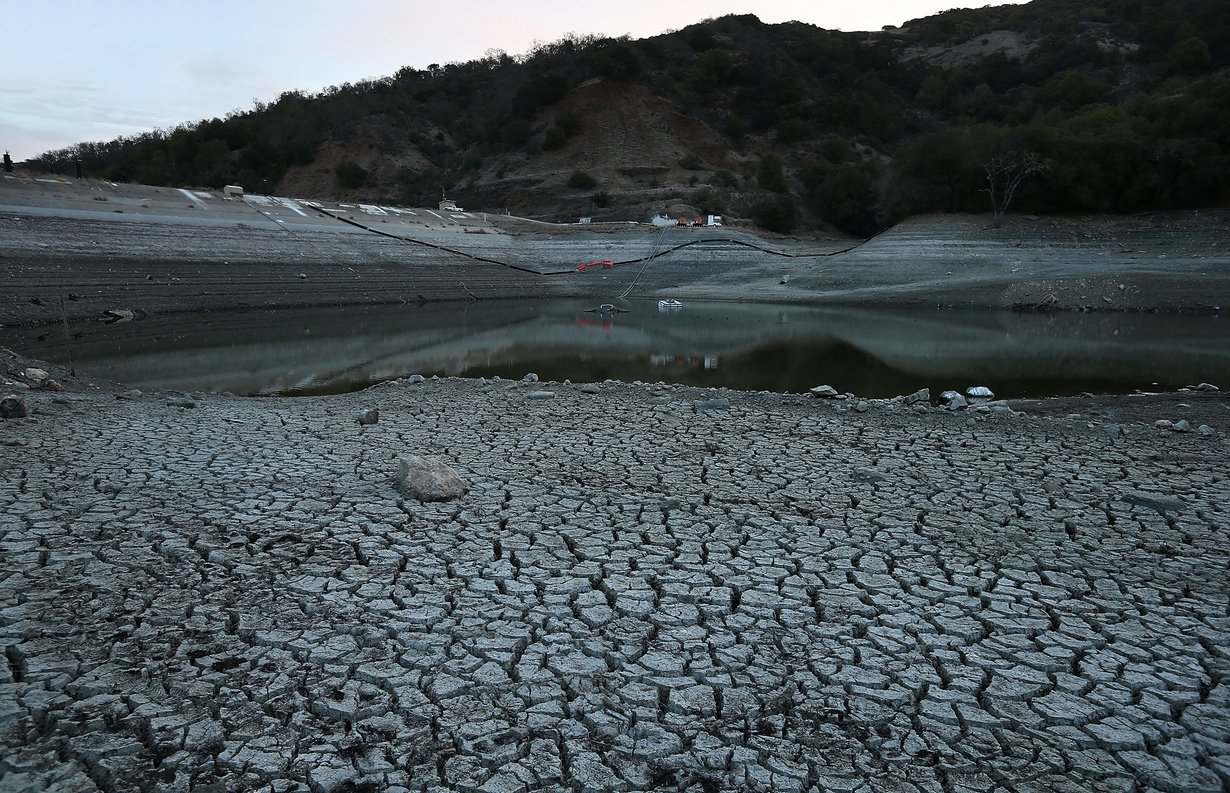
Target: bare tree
1005	172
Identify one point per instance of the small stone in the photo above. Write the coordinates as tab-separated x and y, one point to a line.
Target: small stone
1205	429
369	416
36	375
1163	424
921	395
1209	387
302	276
979	392
824	392
429	480
862	406
538	395
181	402
1182	425
953	400
590	388
415	379
1113	430
13	407
530	378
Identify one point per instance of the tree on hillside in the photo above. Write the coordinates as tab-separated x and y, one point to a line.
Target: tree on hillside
1004	174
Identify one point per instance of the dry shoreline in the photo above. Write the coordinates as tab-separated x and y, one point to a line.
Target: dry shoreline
98	247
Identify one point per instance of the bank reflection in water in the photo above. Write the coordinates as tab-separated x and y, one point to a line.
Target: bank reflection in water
780	348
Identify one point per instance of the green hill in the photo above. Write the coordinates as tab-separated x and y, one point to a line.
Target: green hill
1125	105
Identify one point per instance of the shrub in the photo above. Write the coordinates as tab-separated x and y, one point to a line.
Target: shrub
350	175
554	139
771	174
708	201
580	180
602	199
776	214
691	163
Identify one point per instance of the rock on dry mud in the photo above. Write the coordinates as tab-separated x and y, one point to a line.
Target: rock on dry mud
13	407
429	480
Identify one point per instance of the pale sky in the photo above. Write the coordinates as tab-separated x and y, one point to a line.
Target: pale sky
87	70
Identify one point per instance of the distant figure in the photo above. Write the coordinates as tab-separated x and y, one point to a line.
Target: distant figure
77	165
8	163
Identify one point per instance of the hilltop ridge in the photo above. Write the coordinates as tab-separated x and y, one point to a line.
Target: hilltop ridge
789	125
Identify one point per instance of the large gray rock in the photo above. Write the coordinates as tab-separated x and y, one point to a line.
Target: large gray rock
824	392
13	407
429	480
953	400
979	392
919	396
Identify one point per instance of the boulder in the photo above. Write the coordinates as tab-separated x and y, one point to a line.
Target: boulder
429	480
36	375
953	400
824	392
919	396
530	378
13	407
979	392
369	416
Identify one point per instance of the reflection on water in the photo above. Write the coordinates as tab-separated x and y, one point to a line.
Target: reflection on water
873	353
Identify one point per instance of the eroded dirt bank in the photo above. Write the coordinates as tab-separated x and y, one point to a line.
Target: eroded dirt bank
644	587
163	251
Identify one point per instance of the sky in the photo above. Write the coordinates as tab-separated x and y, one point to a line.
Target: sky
92	70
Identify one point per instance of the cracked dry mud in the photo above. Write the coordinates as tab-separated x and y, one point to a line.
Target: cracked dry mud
644	588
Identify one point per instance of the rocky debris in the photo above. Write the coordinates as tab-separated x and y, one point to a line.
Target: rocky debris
50	384
824	392
921	396
36	375
953	400
1161	504
114	315
530	378
540	395
590	388
368	417
14	407
979	393
429	480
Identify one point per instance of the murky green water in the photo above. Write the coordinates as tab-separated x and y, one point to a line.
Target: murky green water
875	353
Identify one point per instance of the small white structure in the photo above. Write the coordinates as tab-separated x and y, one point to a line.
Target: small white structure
448	205
669	304
714	220
232	191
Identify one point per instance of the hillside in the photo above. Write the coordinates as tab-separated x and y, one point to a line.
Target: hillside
1122	105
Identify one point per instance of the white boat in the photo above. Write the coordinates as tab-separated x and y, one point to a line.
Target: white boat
669	305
